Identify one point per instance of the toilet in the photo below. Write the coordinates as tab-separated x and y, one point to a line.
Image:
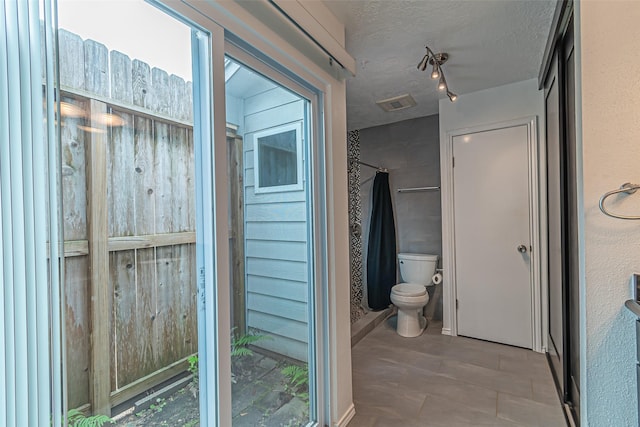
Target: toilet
411	295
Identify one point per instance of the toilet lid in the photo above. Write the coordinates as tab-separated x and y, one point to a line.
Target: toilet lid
409	289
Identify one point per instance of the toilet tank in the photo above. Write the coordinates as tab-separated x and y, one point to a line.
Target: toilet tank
417	268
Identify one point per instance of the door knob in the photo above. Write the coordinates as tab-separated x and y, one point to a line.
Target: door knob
522	249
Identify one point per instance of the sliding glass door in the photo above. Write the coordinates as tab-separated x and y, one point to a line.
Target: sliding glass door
273	283
194	271
136	165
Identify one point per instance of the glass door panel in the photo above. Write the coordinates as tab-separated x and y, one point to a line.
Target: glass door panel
129	162
271	251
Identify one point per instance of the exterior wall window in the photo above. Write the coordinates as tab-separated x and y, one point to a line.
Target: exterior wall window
278	159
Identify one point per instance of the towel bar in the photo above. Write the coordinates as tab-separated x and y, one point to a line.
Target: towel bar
627	188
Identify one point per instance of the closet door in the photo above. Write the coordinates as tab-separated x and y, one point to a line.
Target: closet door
571	224
555	224
563	333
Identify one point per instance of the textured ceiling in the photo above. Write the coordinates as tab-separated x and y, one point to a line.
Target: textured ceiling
490	43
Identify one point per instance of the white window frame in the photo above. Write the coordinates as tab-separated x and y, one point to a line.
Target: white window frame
299	185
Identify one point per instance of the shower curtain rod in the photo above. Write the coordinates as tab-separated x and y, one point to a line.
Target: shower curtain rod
380	168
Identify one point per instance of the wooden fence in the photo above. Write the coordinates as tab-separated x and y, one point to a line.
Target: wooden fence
129	224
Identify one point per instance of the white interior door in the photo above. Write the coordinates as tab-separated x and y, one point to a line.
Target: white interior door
492	235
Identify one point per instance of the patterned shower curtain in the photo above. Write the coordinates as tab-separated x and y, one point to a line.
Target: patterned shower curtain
355	220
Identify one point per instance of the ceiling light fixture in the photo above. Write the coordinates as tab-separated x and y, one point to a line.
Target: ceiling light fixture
436	60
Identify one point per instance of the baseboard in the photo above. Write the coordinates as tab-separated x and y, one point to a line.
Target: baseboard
446	331
348	416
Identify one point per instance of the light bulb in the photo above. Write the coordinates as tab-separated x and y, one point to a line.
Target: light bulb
442	85
452	96
436	72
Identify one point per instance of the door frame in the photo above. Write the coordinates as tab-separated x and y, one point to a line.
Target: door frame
536	215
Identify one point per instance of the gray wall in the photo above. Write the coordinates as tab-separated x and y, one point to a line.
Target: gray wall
411	151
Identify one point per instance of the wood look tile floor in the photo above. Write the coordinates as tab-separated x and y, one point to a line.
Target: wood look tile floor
442	381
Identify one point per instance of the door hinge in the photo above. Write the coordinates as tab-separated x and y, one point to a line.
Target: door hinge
457	304
453	162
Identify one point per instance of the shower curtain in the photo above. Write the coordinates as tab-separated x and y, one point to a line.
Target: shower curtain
381	257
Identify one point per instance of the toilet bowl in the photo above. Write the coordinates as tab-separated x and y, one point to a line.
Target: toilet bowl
411	295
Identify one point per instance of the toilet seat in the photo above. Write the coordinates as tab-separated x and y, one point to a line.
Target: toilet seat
409	290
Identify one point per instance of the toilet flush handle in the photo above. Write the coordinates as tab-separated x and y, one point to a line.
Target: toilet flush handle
522	249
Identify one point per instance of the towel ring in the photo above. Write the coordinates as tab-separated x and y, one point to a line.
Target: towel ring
627	188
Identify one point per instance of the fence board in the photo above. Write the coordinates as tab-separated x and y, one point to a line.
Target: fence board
121	85
164	214
141	364
74	183
174	269
144	384
121	175
189	117
160	84
145	182
96	68
182	179
76	274
191	200
73	248
189	299
179	103
150	241
126	329
71	53
141	83
162	327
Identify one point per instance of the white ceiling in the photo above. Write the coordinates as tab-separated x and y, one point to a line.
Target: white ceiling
489	42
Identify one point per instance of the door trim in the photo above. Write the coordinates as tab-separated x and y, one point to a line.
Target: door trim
450	326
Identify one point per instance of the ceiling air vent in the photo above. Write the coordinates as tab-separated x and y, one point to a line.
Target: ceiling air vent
397	103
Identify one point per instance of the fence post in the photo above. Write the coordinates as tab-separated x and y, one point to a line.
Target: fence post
97	233
236	229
